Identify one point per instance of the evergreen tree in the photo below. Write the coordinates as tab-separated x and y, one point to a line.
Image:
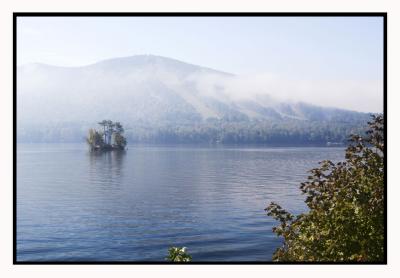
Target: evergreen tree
110	131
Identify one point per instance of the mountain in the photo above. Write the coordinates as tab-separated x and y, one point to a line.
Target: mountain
157	99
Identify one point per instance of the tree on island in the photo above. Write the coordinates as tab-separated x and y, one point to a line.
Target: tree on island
345	221
119	139
109	138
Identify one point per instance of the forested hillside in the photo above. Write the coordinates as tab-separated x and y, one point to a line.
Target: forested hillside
162	100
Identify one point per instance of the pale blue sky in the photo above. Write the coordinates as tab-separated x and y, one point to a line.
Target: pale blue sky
315	48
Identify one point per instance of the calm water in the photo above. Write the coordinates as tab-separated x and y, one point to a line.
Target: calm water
73	205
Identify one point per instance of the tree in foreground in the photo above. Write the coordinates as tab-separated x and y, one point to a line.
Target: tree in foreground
345	221
176	254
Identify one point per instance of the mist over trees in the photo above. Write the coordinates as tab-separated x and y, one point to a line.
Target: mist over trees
162	100
210	132
110	137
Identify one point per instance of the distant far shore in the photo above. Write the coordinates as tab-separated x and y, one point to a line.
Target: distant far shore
169	144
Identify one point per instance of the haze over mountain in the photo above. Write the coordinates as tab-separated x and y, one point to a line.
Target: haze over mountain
151	93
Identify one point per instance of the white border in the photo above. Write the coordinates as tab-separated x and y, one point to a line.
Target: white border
7	7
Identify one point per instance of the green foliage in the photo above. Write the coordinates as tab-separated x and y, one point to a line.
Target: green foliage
176	254
109	130
345	221
94	138
119	141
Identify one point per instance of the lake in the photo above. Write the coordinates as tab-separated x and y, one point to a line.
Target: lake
73	205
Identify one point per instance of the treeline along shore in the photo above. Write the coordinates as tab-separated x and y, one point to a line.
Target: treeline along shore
293	132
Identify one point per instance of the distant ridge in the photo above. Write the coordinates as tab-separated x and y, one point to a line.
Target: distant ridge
152	92
144	58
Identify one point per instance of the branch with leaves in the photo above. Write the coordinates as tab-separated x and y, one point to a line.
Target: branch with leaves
178	254
345	221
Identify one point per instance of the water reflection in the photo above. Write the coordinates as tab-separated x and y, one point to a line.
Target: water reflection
115	206
106	166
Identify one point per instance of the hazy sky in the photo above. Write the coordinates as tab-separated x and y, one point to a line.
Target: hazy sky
322	55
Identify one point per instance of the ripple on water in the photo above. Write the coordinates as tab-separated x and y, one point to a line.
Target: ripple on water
76	206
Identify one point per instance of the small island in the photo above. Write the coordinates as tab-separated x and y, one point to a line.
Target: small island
108	139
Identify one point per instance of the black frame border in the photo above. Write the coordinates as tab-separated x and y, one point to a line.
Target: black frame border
188	14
